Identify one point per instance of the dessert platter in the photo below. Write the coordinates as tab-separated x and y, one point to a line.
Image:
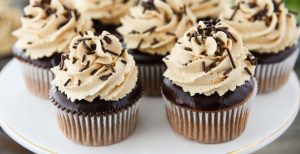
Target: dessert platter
31	122
151	76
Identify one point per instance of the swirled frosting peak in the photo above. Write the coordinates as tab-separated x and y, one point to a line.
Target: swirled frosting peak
207	8
97	66
107	11
266	26
211	59
9	21
153	26
48	27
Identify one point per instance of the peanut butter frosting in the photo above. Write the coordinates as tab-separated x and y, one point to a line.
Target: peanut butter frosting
97	66
211	58
48	26
9	21
153	26
207	8
266	26
107	11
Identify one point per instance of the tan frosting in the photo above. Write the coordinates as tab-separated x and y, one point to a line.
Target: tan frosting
9	21
204	64
47	28
97	66
207	8
266	26
154	26
108	11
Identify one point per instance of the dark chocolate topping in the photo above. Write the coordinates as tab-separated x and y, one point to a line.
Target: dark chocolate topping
98	106
144	58
176	95
271	58
47	62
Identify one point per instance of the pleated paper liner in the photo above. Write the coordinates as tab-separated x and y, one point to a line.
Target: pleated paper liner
210	127
97	129
272	77
38	80
151	76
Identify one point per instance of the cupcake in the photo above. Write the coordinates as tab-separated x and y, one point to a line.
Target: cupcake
207	9
150	32
106	14
270	32
209	85
96	91
47	29
9	21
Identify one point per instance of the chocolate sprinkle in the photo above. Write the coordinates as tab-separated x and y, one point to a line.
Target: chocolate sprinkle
107	39
150	30
227	71
67	82
188	49
79	82
93	72
235	11
124	61
248	71
85	67
140	43
105	77
111	52
230	57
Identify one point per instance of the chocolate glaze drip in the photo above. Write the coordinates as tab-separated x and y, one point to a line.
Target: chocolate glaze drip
214	102
98	106
143	58
47	62
271	58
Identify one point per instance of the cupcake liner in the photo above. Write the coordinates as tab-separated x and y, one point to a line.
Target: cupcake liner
38	79
210	127
98	129
151	76
272	77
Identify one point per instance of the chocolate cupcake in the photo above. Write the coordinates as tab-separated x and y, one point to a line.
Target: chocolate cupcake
47	29
150	31
207	9
208	84
105	14
270	32
9	21
96	91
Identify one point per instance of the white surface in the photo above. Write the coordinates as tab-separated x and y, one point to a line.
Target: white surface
31	122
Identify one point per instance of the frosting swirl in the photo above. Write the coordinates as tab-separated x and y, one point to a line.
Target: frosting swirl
211	59
207	8
107	11
9	21
97	66
48	27
266	26
154	26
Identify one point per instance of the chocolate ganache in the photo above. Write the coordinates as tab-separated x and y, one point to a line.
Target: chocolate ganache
214	102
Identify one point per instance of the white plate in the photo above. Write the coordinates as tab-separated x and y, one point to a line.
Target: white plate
31	122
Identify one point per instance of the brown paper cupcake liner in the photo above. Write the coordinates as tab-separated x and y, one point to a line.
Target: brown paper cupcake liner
100	129
210	127
151	76
38	80
272	77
